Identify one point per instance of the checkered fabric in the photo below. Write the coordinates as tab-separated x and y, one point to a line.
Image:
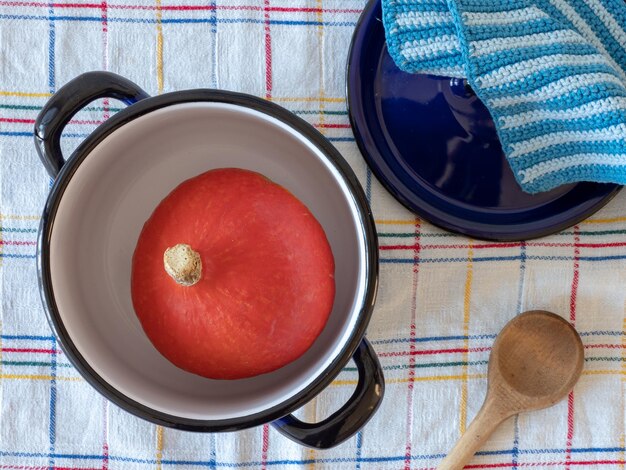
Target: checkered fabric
442	297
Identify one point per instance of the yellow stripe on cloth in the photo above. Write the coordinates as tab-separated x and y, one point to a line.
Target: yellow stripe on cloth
39	377
622	438
25	94
604	372
466	319
604	221
159	447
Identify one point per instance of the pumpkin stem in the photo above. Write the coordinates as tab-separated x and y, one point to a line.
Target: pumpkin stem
183	264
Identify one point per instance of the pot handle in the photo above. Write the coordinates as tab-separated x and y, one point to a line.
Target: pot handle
70	99
352	416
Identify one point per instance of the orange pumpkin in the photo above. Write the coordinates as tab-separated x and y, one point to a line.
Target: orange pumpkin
266	286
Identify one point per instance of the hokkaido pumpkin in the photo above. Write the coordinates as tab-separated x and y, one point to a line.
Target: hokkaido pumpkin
232	276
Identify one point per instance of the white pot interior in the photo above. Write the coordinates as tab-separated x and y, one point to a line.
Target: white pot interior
113	193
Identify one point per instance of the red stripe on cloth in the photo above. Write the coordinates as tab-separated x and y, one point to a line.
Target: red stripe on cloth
46	467
508	245
31	350
105	456
572	301
599	245
572	319
432	351
549	464
425	247
105	53
74	468
32	121
184	7
21	121
105	435
427	352
270	9
409	416
105	112
314	10
570	429
266	445
268	51
332	126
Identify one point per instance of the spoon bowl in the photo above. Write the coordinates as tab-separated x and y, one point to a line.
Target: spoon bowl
537	358
535	362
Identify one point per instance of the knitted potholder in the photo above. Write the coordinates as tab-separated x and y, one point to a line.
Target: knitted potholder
551	72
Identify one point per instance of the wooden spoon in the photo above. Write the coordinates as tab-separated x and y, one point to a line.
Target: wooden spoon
535	362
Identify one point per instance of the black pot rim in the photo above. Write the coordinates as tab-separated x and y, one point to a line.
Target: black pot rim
45	282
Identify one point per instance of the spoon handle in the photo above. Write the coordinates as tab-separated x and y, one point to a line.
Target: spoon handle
485	422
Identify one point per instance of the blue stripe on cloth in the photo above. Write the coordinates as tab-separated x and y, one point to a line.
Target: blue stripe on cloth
555	13
424	32
422	5
614	48
573	148
433	339
359	449
408	25
213	5
619	13
18	230
579	96
482	6
498	31
213	452
588	172
534	81
53	405
446	60
30	134
550	126
426	339
27	337
51	47
443	260
337	460
491	62
98	19
515	451
520	293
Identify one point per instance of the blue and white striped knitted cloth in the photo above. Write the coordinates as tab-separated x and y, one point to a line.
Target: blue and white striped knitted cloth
551	72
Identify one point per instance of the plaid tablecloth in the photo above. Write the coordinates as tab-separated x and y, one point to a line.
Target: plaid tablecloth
442	298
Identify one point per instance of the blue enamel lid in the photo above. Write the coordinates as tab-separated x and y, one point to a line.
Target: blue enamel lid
432	143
